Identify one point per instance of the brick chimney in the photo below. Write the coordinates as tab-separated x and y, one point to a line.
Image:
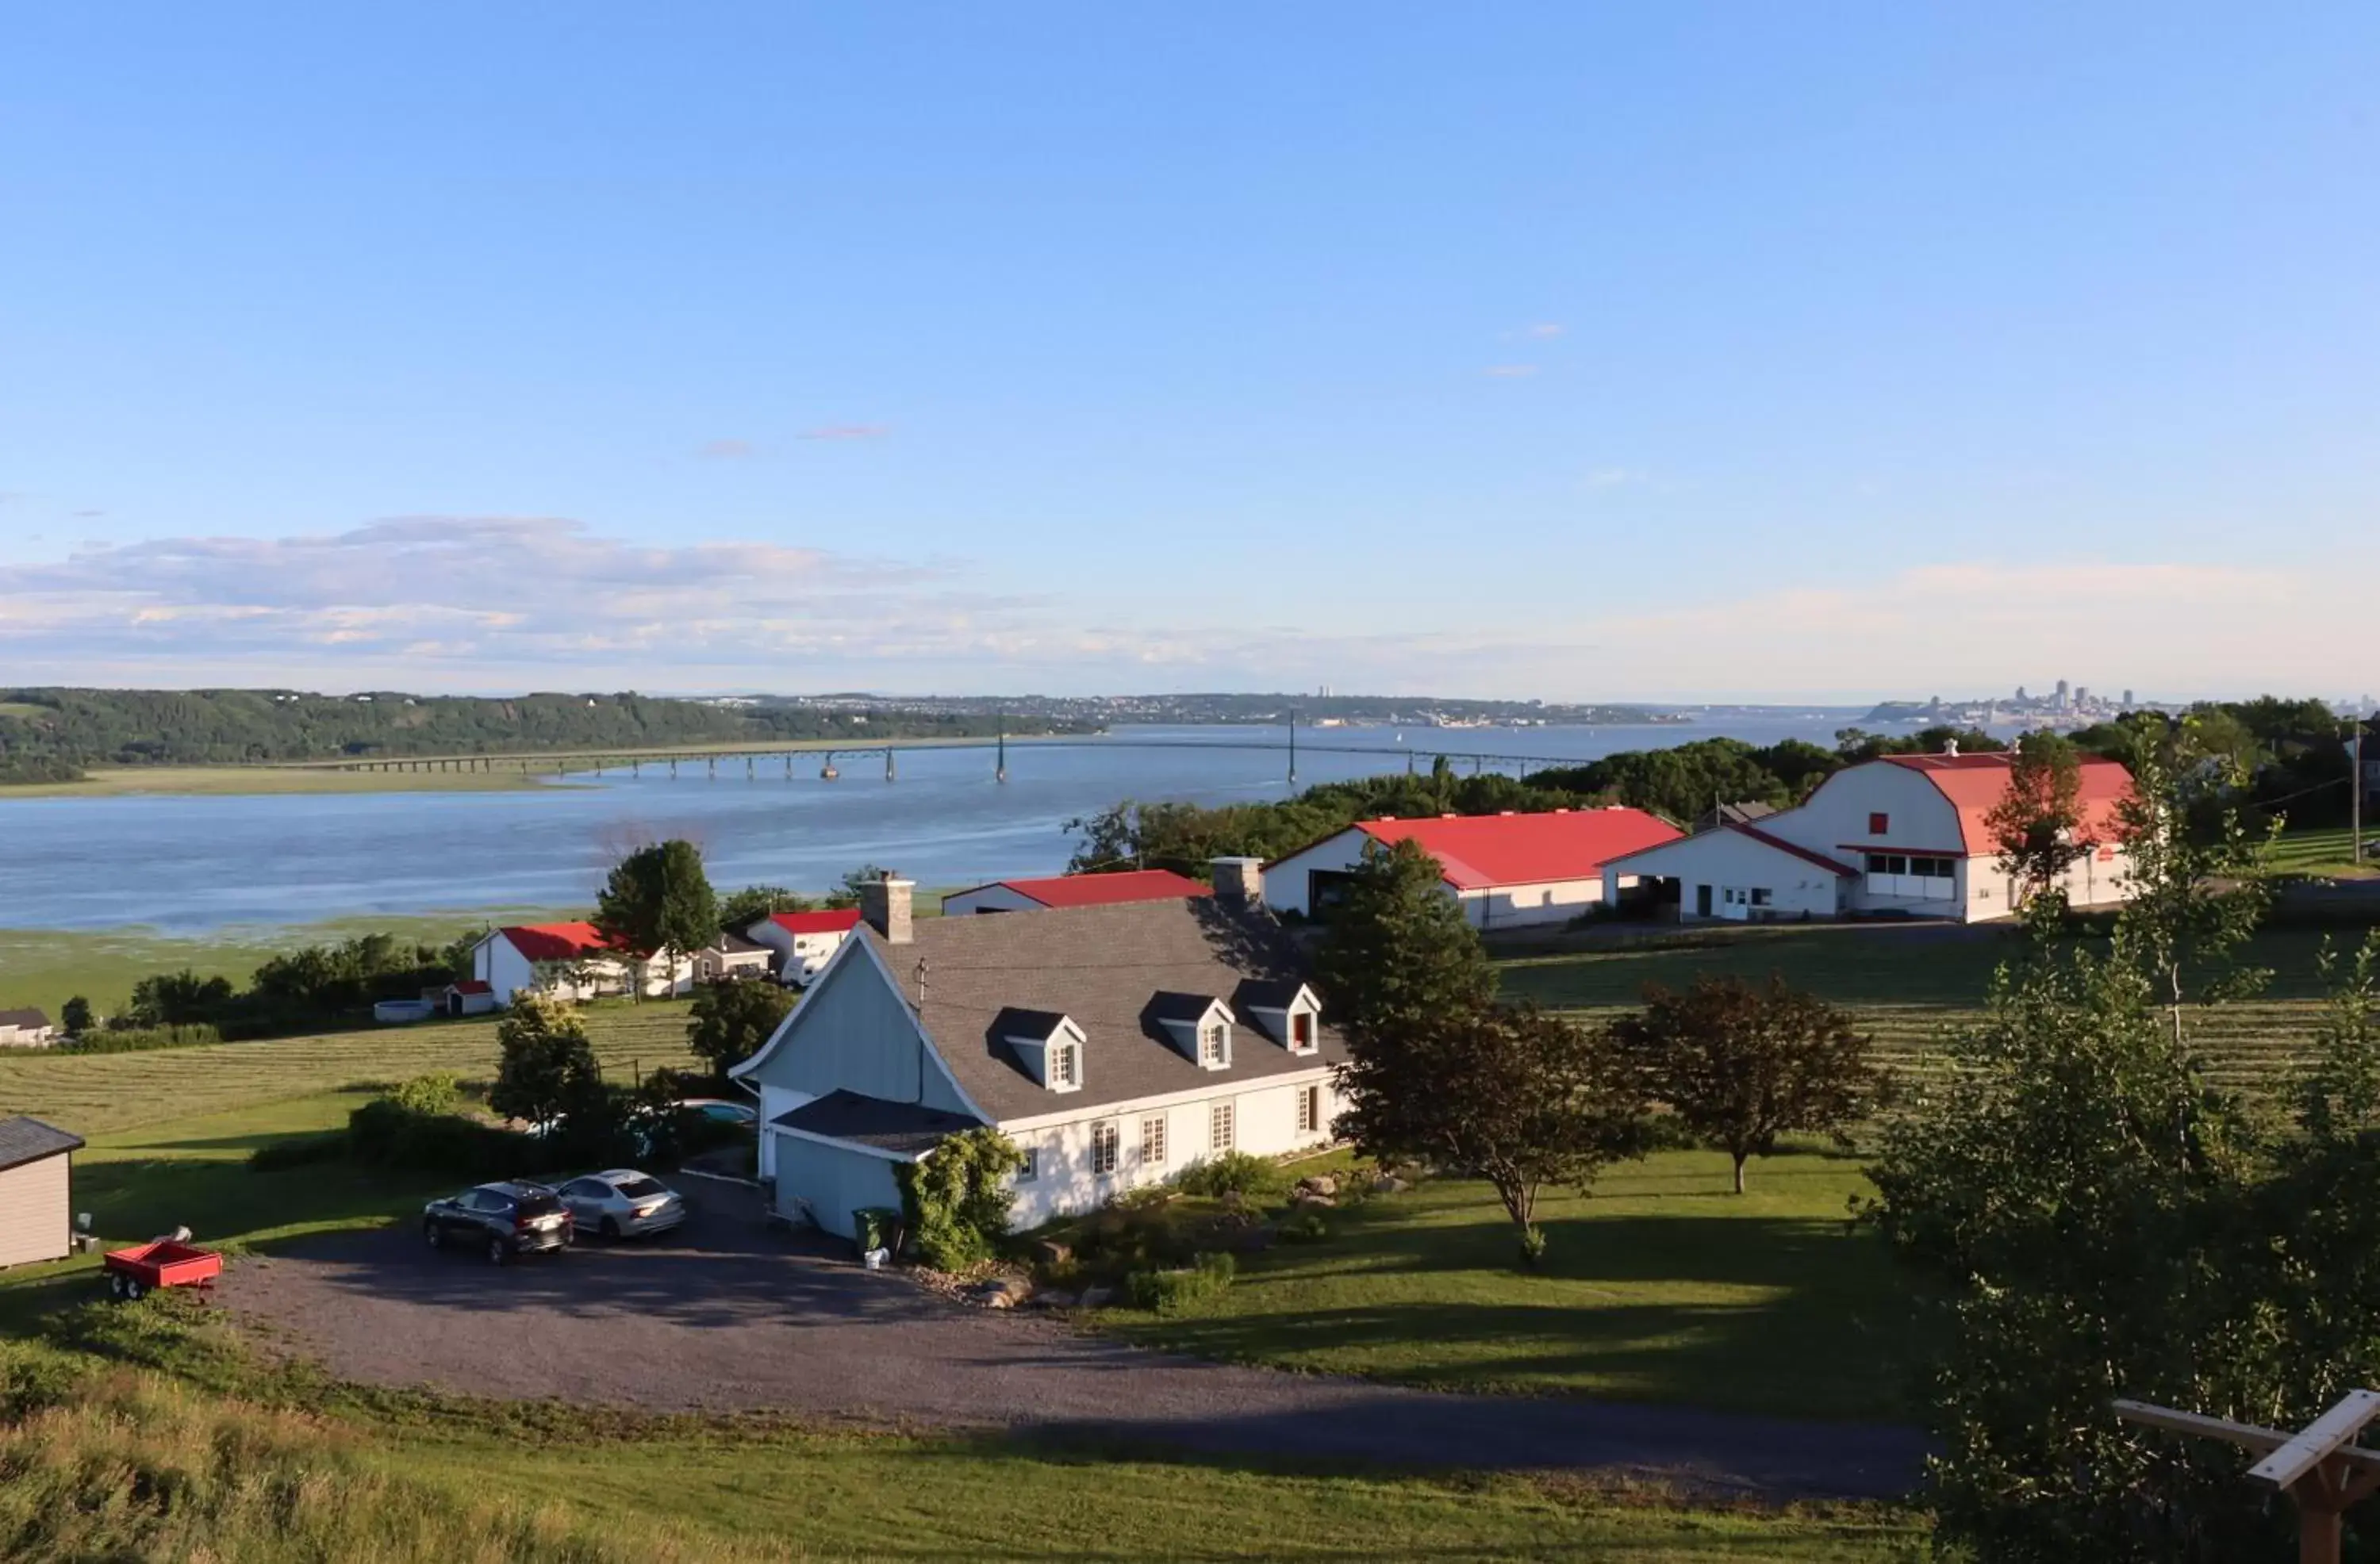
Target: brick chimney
1239	883
885	904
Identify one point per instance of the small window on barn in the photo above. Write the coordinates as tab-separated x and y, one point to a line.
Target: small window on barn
1309	1109
1104	1142
1879	824
1031	1168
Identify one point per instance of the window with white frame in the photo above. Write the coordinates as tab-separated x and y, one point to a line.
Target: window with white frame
1214	1044
1104	1143
1220	1128
1065	1067
1309	1109
1152	1140
1031	1168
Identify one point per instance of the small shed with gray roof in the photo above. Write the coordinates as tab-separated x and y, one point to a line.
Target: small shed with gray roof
35	1191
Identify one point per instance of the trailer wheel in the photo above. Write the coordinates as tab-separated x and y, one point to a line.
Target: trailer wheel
133	1289
115	1285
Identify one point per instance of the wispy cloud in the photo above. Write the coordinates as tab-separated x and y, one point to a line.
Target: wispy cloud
1509	371
725	450
1545	331
847	431
1618	477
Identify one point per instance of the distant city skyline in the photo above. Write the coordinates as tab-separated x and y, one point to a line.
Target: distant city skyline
1658	354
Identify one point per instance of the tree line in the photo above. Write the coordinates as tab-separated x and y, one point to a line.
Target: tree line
51	734
2290	756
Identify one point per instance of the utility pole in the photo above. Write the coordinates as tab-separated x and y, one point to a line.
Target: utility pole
2355	796
1293	746
1000	769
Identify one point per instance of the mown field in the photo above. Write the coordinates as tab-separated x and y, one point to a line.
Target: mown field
95	1093
1908	985
2325	851
1660	1285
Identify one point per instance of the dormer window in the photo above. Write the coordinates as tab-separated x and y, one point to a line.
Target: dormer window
1301	1031
1284	1010
1048	1046
1214	1044
1199	1026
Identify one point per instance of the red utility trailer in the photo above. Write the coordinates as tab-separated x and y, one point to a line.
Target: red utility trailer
166	1263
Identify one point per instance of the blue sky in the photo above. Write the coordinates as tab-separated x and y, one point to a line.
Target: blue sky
1657	351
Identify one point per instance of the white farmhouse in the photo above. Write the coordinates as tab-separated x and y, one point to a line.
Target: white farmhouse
26	1029
572	961
1902	835
1114	1045
1071	891
1508	870
802	943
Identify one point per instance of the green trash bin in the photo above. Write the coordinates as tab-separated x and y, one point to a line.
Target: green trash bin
874	1226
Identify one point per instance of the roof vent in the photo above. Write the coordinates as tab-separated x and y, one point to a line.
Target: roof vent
1950	747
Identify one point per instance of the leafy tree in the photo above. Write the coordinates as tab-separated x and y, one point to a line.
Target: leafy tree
731	1021
75	1016
1740	1065
1520	1097
178	999
1397	960
2037	824
659	900
739	910
849	889
545	1062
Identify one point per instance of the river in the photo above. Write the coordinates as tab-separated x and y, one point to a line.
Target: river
191	865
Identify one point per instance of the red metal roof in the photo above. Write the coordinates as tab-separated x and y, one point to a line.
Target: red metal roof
557	941
1106	889
1479	851
838	920
1973	783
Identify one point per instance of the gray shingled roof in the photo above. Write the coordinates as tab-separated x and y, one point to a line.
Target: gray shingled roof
1110	968
27	1140
30	1019
900	1127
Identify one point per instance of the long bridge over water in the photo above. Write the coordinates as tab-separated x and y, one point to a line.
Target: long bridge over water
707	762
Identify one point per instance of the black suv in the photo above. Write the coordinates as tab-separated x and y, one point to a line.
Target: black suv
504	1219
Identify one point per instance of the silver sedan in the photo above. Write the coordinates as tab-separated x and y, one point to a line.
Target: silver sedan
622	1204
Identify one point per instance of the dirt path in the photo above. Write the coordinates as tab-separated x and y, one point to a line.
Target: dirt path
721	1316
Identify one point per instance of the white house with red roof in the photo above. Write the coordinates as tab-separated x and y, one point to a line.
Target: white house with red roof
571	961
1906	834
802	943
1508	870
1073	891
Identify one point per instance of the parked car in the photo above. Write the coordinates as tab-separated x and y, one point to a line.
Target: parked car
623	1203
721	1110
502	1219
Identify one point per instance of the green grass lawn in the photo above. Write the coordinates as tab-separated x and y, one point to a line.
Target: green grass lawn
2321	852
1906	985
44	966
1659	1286
95	1092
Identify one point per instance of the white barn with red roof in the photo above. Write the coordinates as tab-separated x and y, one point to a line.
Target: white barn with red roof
802	943
1507	870
571	961
1073	891
1903	835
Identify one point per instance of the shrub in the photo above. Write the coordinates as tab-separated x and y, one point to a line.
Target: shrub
1242	1173
140	1040
441	1091
1307	1229
387	1134
957	1201
1197	1286
298	1151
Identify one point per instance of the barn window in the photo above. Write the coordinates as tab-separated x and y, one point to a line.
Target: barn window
1032	1166
1220	1135
1879	824
1152	1140
1309	1109
1104	1142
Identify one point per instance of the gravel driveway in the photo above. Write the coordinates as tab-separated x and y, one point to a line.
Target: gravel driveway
723	1314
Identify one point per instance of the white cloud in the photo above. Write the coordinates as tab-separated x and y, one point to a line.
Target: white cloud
1545	331
1508	372
847	431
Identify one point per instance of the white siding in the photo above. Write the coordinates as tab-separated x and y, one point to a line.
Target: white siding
800	957
854	1031
988	899
1265	1123
1729	861
1288	887
33	1221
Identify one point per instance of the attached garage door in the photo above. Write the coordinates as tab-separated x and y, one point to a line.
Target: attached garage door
831	1181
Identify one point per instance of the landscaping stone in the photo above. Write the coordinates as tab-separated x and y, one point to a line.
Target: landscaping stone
1389	1183
1306	1198
1320	1184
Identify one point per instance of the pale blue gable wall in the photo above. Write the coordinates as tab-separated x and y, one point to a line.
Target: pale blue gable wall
828	1183
852	1032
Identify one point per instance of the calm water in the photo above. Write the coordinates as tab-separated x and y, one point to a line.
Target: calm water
187	865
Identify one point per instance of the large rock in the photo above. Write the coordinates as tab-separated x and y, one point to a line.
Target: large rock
1002	1291
1320	1184
1305	1199
1389	1183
